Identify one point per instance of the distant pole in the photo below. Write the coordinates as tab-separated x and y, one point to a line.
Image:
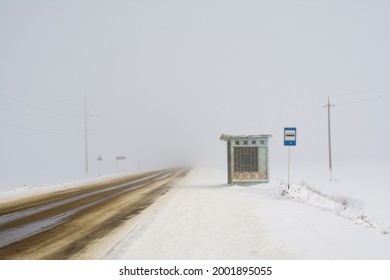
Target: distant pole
139	153
329	140
86	135
139	159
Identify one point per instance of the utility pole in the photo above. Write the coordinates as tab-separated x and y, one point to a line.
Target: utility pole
329	140
139	158
86	135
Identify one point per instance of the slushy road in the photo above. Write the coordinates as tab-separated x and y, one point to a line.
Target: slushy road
58	225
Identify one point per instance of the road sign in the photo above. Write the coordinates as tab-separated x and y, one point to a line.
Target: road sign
290	136
99	159
118	158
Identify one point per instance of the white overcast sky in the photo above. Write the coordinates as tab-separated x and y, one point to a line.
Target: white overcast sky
165	78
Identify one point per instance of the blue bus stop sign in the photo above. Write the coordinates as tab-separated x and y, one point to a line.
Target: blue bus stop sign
290	136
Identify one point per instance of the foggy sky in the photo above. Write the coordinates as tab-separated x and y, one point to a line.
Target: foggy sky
164	79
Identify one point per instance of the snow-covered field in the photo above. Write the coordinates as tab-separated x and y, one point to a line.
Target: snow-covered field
204	218
363	183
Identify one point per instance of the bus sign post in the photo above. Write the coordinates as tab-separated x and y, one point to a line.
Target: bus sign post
290	139
290	136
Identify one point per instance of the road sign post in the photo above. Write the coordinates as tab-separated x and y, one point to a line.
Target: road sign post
290	139
99	160
118	158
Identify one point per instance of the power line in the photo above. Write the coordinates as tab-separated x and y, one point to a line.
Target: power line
361	91
41	109
27	91
308	117
37	114
365	100
14	126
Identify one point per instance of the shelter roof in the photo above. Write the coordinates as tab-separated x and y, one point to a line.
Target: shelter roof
228	137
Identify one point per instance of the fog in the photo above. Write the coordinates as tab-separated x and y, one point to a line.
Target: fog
164	79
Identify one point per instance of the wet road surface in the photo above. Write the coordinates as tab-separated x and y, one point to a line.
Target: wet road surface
61	224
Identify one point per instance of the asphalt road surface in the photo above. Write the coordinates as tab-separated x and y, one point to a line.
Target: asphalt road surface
59	225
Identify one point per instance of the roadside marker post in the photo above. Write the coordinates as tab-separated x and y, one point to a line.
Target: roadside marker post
290	139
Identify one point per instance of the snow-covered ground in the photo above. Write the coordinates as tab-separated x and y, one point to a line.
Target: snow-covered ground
362	182
206	219
202	219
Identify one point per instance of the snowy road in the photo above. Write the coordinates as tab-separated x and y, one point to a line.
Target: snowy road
58	225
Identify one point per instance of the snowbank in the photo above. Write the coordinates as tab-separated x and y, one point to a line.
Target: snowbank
359	191
344	206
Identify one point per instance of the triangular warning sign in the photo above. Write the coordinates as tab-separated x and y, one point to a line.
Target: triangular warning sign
99	158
